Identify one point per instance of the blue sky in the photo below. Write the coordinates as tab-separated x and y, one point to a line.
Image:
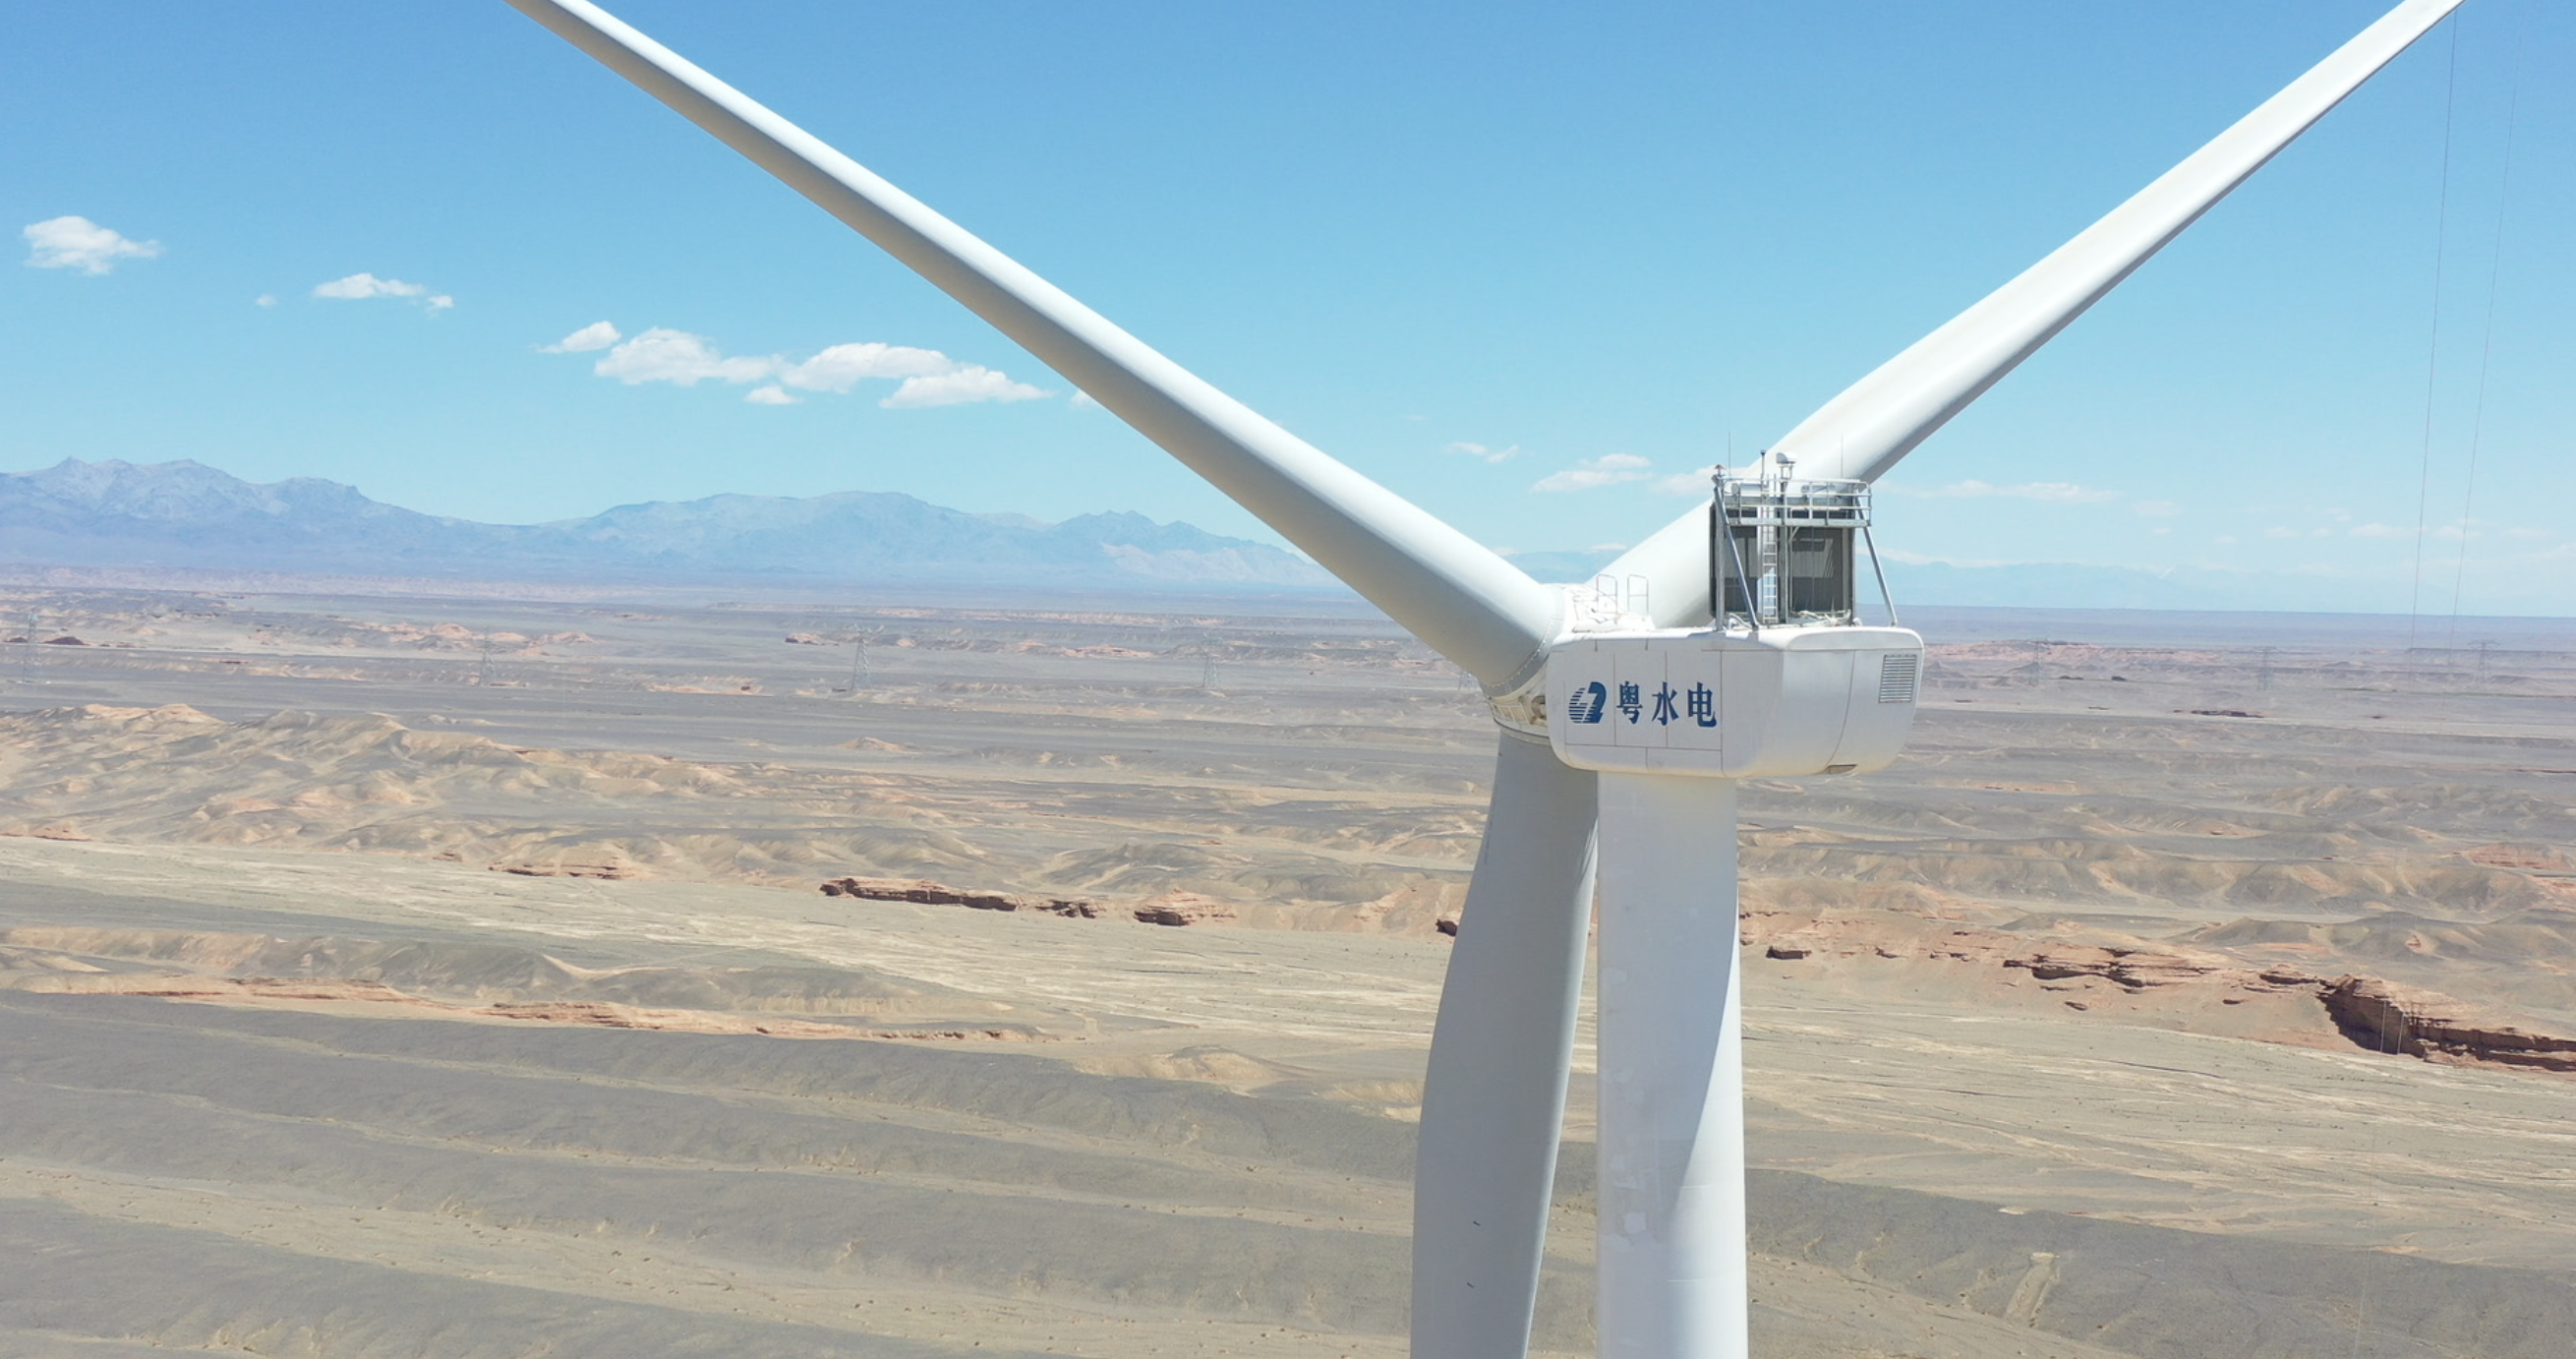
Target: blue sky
1474	250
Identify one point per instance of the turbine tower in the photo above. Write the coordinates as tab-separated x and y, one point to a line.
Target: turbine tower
1728	645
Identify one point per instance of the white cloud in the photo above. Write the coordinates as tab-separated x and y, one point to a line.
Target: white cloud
2157	509
359	287
1483	452
2225	540
1592	473
264	300
926	377
2060	492
2380	531
969	382
676	356
2526	533
2278	532
1082	401
844	366
79	243
1691	483
1905	558
596	335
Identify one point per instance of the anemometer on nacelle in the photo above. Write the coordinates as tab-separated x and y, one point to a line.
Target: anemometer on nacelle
1784	680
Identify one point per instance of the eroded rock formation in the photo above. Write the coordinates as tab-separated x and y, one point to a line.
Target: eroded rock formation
2391	1018
930	893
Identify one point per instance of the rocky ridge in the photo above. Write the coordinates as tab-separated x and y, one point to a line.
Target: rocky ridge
1170	908
2391	1018
2372	1012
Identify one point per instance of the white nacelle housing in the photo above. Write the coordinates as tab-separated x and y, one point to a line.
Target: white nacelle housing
1781	701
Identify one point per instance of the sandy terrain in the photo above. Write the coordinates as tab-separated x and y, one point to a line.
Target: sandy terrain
409	976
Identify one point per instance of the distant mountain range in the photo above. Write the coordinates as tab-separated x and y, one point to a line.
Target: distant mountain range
190	516
184	515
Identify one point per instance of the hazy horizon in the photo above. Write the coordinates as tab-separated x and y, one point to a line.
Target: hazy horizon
778	533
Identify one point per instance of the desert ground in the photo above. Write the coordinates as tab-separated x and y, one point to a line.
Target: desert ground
408	974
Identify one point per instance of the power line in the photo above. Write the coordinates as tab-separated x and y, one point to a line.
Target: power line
2486	349
2433	348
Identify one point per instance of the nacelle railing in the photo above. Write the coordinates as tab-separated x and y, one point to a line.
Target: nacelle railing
1785	552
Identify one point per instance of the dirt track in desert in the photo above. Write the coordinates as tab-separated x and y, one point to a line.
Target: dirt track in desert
395	976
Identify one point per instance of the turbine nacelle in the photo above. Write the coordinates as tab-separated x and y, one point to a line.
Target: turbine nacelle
1779	702
1784	681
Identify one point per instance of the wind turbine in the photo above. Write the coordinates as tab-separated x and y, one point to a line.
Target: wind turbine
1727	645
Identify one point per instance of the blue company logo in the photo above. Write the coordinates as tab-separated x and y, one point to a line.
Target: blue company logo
1587	703
1698	706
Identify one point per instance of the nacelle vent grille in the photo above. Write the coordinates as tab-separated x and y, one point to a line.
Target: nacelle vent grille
1896	676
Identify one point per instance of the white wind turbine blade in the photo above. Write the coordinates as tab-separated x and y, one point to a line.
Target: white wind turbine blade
1493	1104
1458	596
1876	421
1495	1096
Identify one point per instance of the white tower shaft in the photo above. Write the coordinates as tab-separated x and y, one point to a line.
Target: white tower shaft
1672	1237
